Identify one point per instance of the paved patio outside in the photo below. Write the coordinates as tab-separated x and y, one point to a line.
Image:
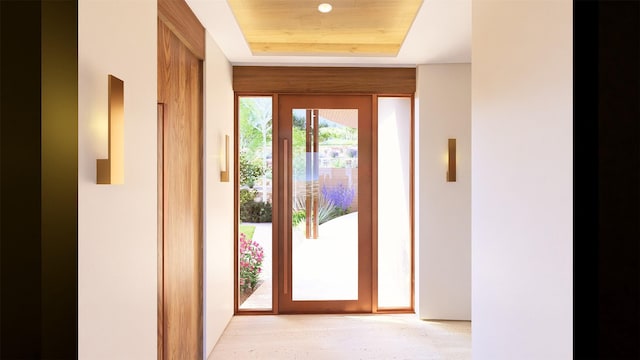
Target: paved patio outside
323	269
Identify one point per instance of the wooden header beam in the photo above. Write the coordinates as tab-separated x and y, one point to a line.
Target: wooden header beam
324	80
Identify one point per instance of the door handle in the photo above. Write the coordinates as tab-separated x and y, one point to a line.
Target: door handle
285	212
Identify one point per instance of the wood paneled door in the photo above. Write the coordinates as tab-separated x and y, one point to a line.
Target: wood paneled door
180	186
325	203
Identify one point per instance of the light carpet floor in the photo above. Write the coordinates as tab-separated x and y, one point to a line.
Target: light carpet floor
335	337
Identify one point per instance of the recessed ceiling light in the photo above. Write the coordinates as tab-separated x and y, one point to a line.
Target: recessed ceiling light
325	8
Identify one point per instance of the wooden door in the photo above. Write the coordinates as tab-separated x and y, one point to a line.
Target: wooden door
326	262
180	99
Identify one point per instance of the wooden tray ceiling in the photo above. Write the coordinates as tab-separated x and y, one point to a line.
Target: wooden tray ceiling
296	27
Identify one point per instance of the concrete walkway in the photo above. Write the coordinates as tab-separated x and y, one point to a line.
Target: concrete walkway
325	268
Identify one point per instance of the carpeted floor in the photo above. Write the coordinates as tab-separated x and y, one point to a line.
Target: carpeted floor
283	337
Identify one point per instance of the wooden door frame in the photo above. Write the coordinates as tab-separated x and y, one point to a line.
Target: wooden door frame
364	303
275	81
161	196
276	234
275	218
180	19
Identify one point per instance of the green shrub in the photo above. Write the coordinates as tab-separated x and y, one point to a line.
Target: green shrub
326	209
297	217
250	171
255	212
247	195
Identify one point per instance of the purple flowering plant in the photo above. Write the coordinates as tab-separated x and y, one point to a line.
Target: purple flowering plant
340	196
251	257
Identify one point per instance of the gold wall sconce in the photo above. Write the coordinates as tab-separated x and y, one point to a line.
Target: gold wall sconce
224	173
451	171
111	170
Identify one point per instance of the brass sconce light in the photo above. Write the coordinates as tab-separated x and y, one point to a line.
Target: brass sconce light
111	170
451	172
224	174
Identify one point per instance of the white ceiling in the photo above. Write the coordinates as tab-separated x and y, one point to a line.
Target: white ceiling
441	33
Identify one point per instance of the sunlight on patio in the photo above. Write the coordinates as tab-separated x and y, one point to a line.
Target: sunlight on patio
326	268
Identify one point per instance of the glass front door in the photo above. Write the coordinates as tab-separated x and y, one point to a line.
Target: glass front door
325	151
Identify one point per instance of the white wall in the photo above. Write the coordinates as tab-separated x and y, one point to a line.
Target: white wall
522	179
443	225
117	224
219	218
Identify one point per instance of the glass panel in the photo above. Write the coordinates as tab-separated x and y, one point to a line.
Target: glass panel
325	204
394	223
255	167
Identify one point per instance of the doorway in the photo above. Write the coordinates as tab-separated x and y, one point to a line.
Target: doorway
319	228
325	238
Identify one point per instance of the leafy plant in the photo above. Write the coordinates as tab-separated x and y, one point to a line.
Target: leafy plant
297	217
251	256
256	134
247	195
255	212
249	171
326	209
339	134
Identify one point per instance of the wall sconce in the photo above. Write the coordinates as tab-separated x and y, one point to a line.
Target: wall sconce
111	170
451	172
224	174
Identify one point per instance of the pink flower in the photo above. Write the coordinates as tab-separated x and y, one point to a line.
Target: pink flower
250	257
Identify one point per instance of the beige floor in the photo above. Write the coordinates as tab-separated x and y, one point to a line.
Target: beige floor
336	337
